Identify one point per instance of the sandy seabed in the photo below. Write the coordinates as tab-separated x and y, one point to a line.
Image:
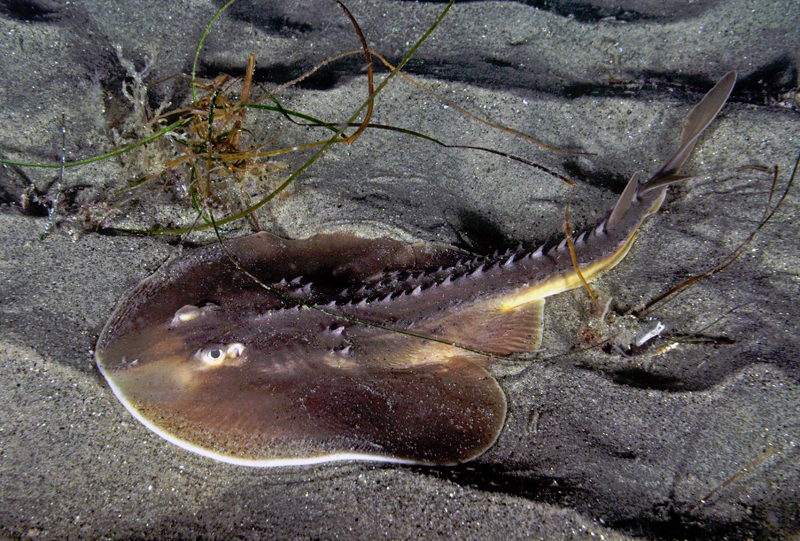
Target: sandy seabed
694	441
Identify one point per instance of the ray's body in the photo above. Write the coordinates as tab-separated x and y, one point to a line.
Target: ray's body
384	357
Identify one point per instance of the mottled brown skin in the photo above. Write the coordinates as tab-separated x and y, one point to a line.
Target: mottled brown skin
275	352
293	394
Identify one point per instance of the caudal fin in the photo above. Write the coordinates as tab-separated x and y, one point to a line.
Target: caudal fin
653	190
698	120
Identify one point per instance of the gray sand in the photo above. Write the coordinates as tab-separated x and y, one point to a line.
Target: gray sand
697	441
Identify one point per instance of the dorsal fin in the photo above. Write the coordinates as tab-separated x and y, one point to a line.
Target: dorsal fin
624	201
698	120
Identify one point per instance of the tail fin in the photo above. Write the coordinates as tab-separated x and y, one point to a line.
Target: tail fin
698	120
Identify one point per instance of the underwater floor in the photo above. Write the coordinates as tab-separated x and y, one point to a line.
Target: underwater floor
695	436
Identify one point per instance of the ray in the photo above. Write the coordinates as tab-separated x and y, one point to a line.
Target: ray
277	352
216	364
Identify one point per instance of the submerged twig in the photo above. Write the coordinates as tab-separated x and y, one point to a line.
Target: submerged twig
769	212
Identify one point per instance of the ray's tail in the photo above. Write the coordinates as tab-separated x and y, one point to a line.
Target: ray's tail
653	190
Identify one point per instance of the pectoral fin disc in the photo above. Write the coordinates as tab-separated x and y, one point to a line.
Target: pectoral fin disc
230	370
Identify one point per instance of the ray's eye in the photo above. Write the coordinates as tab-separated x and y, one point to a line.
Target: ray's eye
191	312
214	355
218	354
186	313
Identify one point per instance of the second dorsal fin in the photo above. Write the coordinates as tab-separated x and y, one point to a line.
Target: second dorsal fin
624	201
